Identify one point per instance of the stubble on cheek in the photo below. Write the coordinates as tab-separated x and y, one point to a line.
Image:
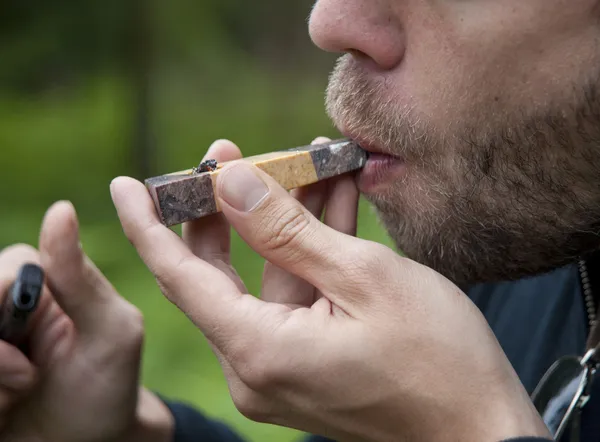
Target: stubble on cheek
502	157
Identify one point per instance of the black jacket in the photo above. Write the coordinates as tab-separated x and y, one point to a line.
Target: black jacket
536	320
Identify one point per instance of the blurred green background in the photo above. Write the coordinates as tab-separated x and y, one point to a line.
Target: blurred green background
92	90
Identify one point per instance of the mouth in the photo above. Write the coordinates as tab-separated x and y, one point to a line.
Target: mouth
381	169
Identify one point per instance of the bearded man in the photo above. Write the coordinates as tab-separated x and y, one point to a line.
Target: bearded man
482	120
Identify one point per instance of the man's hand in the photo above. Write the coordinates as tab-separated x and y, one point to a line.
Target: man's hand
79	382
348	340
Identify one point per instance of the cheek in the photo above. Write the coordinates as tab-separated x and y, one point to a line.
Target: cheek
442	79
479	64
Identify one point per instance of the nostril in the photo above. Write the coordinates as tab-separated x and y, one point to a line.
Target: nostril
368	33
356	53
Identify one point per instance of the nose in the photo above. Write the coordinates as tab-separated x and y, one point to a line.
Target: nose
368	28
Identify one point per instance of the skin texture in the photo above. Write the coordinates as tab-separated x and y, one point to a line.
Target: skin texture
79	382
494	108
317	351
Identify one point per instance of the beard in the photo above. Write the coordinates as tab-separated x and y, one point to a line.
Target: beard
498	195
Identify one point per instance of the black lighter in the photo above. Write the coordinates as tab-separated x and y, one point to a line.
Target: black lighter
19	303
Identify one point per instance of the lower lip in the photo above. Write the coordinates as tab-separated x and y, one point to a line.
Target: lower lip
379	171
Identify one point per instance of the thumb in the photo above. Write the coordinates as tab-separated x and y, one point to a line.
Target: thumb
284	232
80	289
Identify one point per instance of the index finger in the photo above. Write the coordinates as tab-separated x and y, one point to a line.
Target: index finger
201	291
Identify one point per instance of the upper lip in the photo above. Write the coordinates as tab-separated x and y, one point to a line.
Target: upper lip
364	142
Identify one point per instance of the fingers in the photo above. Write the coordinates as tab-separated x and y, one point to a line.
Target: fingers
284	287
209	238
342	201
313	197
17	373
342	204
201	291
280	228
80	289
17	380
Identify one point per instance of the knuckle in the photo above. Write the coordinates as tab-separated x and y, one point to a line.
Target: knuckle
135	232
121	337
253	369
135	323
250	406
253	373
169	275
130	326
259	363
263	372
131	231
285	228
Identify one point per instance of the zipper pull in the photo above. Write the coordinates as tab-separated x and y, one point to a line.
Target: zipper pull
581	398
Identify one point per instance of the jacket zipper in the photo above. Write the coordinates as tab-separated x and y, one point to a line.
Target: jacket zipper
588	295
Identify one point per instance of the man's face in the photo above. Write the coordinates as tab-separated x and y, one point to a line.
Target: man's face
487	113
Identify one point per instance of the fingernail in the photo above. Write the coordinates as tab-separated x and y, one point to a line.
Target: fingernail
241	188
112	185
321	140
